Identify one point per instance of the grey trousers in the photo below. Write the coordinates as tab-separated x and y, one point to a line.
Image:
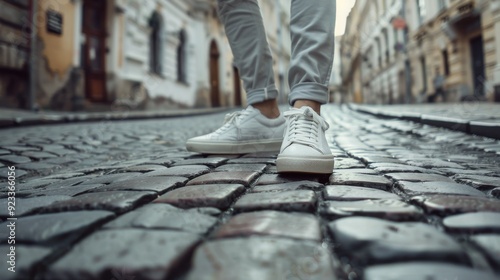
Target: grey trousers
312	24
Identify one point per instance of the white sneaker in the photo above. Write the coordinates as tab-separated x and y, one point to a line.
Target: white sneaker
304	148
243	132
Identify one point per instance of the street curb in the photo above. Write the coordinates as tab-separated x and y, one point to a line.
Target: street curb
491	130
64	118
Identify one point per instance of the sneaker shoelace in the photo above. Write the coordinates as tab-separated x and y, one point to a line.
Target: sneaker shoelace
232	118
304	128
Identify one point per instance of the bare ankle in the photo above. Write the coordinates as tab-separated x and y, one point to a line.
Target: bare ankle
316	106
268	108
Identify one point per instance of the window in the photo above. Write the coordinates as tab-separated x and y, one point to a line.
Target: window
421	11
181	57
424	74
441	4
396	40
446	63
155	43
379	47
387	52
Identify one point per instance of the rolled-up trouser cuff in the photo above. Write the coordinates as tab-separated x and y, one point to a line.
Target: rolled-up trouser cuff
262	94
309	91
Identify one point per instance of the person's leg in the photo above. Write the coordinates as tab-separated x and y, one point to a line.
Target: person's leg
312	25
245	31
260	127
304	147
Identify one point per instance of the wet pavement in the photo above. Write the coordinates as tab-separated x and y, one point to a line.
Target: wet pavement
125	200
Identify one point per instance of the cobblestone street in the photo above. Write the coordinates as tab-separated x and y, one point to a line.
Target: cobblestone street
125	200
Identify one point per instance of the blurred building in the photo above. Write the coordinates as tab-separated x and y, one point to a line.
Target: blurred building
351	56
93	54
401	48
459	39
337	93
15	32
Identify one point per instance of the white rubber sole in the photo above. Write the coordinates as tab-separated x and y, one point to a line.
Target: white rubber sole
242	147
316	165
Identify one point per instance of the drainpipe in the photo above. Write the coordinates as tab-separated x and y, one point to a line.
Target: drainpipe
33	58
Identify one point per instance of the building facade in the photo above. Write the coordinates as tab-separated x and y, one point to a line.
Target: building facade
15	49
335	83
132	54
459	39
350	55
406	47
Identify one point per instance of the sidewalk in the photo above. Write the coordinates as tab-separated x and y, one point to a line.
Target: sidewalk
16	118
482	119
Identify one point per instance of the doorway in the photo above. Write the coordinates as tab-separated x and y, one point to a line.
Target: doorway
237	87
477	59
214	74
94	49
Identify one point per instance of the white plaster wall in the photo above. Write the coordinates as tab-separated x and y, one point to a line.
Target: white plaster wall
199	31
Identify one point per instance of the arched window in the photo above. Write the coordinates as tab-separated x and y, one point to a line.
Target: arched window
155	43
379	49
181	57
387	45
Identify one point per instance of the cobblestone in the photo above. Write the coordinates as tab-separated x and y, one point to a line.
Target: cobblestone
391	168
274	223
268	226
261	258
143	168
218	196
229	177
372	241
449	204
423	188
425	271
257	167
390	209
53	227
28	205
271	179
146	183
188	171
495	192
345	163
478	181
489	243
108	252
358	179
164	216
111	178
211	162
473	222
417	177
301	200
290	186
69	191
343	192
116	201
26	258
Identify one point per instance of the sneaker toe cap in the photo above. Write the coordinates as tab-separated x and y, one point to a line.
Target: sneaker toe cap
298	150
201	138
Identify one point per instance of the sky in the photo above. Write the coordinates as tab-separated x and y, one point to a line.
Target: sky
343	9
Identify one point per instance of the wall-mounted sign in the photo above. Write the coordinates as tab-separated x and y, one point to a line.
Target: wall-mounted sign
54	22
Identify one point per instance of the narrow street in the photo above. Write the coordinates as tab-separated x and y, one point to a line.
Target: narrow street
125	200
